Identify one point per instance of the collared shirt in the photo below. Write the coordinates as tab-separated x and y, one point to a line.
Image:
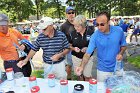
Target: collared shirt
67	28
108	46
7	48
77	40
51	46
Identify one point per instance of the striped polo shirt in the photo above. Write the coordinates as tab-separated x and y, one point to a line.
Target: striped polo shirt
51	46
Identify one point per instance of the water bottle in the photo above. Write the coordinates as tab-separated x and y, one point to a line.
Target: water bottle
78	88
108	90
0	74
32	81
51	80
118	68
35	89
19	79
63	86
92	86
10	73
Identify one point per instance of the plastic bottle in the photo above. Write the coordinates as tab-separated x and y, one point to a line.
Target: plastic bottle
35	89
118	68
63	86
32	81
108	90
51	80
19	79
78	88
10	73
92	86
0	74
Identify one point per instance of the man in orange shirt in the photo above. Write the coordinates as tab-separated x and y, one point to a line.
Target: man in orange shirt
8	52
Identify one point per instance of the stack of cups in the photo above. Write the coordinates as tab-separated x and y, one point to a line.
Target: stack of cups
10	74
92	86
63	86
35	89
32	81
51	80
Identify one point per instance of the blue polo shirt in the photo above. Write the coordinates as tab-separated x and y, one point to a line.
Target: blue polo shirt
108	46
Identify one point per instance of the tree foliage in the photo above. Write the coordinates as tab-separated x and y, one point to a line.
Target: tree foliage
22	9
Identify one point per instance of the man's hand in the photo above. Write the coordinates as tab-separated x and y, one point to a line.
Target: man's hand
76	49
84	49
78	70
55	57
21	63
119	57
22	47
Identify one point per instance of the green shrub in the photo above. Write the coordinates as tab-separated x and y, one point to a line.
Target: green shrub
134	61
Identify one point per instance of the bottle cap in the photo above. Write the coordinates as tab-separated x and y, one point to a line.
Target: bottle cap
32	78
79	87
35	89
108	90
93	81
50	76
9	69
63	82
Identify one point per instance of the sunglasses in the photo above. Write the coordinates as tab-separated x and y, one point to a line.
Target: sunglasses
70	12
101	24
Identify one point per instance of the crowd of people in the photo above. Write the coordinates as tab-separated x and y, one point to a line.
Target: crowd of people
71	47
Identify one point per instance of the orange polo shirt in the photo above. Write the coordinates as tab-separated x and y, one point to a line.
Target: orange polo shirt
7	48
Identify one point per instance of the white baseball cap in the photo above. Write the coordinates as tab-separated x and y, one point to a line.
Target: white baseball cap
44	22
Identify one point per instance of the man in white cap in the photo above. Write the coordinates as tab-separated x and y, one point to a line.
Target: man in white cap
8	52
55	46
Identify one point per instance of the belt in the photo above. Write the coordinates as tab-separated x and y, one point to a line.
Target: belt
10	61
55	62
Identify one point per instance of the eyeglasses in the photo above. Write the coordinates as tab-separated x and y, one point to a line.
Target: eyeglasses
101	24
70	12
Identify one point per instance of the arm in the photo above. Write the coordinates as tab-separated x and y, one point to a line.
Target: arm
24	62
85	60
120	55
57	56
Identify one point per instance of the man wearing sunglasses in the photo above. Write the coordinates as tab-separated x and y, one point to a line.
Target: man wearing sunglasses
110	43
67	28
54	45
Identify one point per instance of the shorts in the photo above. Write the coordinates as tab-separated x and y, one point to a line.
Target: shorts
57	69
88	68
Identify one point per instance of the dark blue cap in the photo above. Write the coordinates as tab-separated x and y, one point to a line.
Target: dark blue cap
69	8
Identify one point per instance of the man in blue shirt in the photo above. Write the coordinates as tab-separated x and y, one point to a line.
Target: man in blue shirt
110	44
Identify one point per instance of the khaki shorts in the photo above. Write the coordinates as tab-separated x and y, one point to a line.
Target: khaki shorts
57	69
88	68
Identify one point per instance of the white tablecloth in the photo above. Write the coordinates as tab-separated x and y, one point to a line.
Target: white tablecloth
44	88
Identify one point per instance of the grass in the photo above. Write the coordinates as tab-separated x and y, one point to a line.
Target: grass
38	74
134	61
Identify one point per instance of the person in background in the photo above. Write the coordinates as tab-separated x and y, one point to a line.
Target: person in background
67	28
54	45
79	40
125	28
110	44
10	37
136	31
